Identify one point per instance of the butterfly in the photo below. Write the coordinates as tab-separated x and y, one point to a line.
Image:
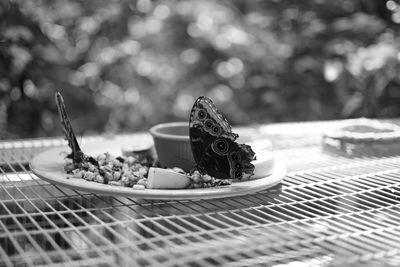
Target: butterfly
76	155
213	144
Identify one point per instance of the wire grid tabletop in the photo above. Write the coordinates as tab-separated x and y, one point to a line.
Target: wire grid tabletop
330	210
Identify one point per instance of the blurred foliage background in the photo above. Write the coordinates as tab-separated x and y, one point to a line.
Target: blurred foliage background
127	65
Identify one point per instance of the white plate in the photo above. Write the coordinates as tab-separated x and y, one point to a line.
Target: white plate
49	166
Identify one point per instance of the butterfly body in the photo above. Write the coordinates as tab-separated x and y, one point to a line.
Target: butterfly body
213	143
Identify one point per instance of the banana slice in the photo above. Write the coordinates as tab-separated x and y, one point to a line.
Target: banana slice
159	178
263	164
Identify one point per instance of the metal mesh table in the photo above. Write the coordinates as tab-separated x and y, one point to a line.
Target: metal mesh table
330	210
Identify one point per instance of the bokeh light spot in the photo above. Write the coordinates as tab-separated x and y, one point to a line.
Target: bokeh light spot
131	95
396	17
183	104
144	68
222	42
15	94
190	56
30	88
229	68
77	78
193	30
111	90
184	8
107	55
221	93
130	47
153	26
332	70
235	35
136	28
90	69
54	31
391	5
143	5
88	25
205	22
237	64
161	12
82	43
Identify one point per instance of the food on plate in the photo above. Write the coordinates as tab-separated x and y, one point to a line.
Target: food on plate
213	143
176	178
131	172
112	170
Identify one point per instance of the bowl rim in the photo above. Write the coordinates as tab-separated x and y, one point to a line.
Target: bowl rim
154	131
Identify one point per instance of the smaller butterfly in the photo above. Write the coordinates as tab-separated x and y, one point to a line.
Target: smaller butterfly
76	155
214	148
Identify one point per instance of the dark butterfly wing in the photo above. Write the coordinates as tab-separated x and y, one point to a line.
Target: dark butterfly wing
213	143
205	112
76	155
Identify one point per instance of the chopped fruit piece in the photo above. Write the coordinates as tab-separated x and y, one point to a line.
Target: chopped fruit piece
159	178
263	165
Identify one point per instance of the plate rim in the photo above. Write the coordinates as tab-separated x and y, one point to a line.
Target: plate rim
56	156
